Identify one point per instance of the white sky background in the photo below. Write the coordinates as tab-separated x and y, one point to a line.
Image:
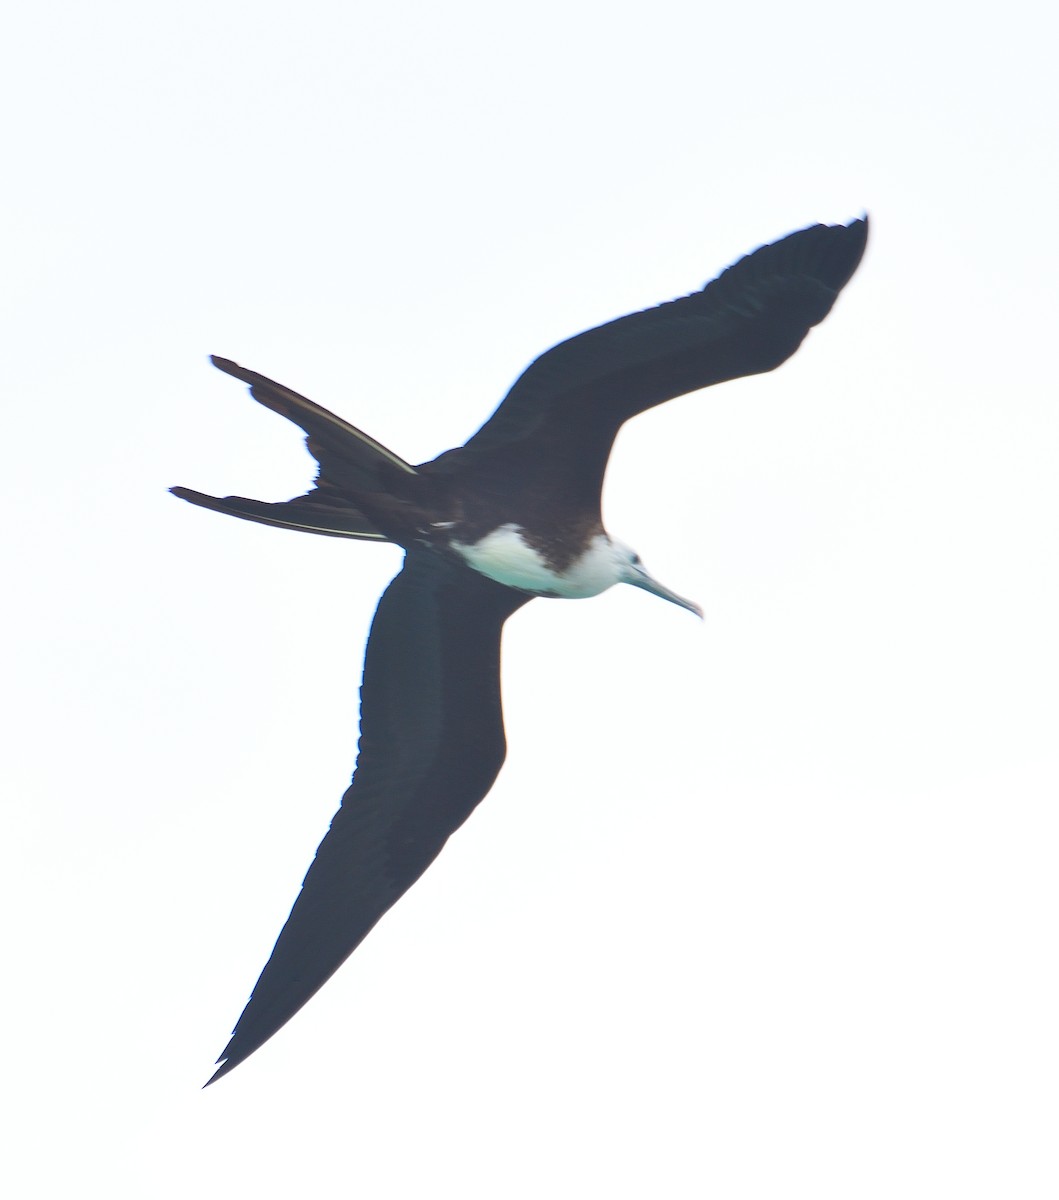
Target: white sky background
762	907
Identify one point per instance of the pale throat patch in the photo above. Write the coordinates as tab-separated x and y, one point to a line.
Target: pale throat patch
505	557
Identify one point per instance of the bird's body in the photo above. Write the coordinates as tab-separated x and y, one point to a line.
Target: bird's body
506	555
513	514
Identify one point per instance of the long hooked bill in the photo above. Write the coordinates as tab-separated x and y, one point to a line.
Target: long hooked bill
642	579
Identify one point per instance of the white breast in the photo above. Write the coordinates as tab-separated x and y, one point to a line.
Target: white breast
503	555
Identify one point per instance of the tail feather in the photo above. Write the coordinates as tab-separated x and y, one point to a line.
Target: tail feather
353	467
348	457
305	513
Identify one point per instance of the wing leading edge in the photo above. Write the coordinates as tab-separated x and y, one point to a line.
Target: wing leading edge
748	320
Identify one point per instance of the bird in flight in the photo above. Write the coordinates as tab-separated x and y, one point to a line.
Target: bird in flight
512	514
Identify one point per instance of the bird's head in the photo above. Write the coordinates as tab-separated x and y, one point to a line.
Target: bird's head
632	570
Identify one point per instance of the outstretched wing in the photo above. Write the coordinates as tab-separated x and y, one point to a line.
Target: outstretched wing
431	745
350	461
748	320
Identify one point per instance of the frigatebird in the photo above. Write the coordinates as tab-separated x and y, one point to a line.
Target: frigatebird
512	514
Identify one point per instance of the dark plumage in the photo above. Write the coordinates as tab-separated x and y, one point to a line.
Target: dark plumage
513	513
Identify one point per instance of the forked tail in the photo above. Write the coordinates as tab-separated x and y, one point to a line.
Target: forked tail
351	463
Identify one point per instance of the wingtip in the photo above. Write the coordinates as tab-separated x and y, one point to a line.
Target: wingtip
226	1061
843	253
859	227
221	1071
856	227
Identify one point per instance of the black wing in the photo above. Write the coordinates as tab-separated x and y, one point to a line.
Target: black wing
431	745
748	320
350	461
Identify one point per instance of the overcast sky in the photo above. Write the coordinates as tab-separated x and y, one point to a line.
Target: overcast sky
760	907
